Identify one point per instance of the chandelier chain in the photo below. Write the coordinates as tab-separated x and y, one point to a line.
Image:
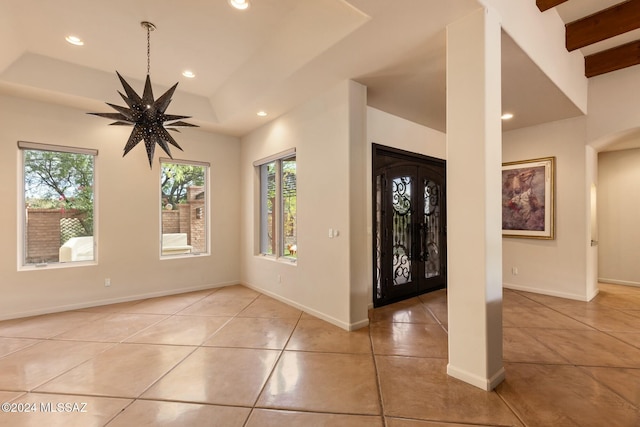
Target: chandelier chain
149	27
148	49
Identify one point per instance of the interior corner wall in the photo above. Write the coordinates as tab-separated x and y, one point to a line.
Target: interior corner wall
127	202
358	209
618	207
319	282
522	20
554	267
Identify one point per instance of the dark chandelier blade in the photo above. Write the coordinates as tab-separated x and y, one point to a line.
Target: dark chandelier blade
147	116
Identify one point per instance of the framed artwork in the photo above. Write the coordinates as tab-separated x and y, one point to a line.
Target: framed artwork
528	198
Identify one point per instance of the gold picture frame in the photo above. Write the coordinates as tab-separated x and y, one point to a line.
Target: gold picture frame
528	199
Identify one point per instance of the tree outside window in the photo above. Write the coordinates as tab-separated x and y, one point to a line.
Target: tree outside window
278	208
59	205
289	193
183	187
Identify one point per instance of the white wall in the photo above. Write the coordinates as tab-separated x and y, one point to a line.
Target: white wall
618	207
128	198
613	106
320	130
613	117
541	35
554	267
8	32
332	135
392	131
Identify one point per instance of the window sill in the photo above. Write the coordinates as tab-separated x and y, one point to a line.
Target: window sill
281	260
184	256
57	265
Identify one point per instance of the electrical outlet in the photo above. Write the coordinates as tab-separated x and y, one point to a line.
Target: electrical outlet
279	278
514	271
107	282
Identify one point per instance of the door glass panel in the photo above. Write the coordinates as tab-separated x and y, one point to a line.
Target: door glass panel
430	230
401	233
378	238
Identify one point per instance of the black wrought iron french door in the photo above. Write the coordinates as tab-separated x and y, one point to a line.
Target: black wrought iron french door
410	225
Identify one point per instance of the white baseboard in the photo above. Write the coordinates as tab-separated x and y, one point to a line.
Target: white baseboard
593	294
618	282
486	384
107	301
346	326
354	326
547	292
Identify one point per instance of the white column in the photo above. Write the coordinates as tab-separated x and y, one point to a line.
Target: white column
474	236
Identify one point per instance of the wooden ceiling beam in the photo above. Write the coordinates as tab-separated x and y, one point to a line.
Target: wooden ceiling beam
548	4
612	59
607	23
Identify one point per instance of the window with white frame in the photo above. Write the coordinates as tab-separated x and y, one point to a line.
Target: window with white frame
58	204
278	205
184	220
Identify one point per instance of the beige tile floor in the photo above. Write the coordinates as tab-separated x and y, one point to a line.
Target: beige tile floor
232	357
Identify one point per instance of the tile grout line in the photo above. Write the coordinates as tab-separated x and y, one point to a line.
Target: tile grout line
275	364
121	342
87	360
195	347
378	383
21	394
581	368
591	328
512	409
589	374
201	345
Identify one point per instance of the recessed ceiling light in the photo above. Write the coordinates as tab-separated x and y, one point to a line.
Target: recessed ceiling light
188	74
507	116
262	113
74	40
239	4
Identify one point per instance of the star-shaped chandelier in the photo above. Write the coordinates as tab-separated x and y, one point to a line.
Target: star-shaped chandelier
146	115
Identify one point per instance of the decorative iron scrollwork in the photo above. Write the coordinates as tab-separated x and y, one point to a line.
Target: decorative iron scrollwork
430	229
402	218
401	193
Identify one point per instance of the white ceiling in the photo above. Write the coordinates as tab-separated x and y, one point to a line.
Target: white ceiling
271	57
